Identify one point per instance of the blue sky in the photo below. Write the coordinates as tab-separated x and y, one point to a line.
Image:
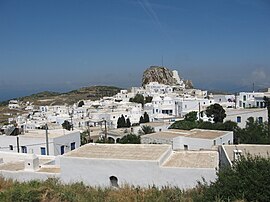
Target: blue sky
60	45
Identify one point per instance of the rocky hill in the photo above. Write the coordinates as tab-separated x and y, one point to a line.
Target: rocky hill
163	75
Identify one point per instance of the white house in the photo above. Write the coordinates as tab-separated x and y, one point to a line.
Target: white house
60	141
13	104
138	165
115	165
240	116
250	99
196	139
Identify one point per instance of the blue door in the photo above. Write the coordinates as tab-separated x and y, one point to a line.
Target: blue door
62	148
72	146
24	149
43	150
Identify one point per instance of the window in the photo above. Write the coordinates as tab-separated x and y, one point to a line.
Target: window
72	146
185	147
42	150
244	97
238	119
244	105
260	119
10	147
62	149
24	149
215	142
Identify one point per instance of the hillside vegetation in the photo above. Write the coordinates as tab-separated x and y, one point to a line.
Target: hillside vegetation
55	98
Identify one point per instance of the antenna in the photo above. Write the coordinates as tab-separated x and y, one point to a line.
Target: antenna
162	60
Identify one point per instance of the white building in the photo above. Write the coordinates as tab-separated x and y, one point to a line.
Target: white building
250	99
240	116
196	139
226	101
13	104
115	165
34	141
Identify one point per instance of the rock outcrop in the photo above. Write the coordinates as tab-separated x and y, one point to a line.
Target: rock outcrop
164	75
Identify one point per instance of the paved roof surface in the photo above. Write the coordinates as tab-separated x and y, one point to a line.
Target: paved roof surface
256	150
120	151
193	159
195	133
51	133
12	166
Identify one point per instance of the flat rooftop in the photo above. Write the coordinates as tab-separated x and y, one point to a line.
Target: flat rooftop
51	133
232	112
18	165
192	159
194	133
252	149
120	151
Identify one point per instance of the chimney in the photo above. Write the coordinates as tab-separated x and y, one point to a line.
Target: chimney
31	163
236	154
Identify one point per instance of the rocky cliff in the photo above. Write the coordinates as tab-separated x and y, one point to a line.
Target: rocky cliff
163	75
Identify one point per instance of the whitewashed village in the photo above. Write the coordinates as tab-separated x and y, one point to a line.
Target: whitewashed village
83	142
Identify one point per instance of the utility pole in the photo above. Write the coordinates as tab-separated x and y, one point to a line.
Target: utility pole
47	139
253	88
105	130
88	132
199	111
267	105
235	100
162	61
18	144
71	116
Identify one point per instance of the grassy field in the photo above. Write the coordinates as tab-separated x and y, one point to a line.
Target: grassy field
53	190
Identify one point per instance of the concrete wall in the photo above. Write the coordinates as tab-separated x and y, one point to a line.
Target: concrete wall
223	157
199	143
23	176
96	172
66	140
192	143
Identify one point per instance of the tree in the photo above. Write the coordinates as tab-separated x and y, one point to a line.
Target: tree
146	117
84	138
138	99
128	124
191	116
121	122
216	112
130	139
67	125
141	119
148	99
184	125
81	103
248	180
147	129
254	133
